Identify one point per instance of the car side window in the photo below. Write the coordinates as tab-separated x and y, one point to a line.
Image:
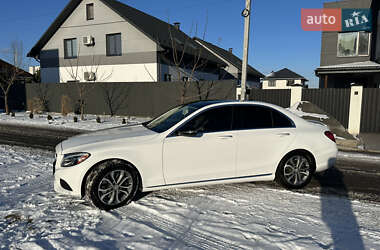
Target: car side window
252	117
214	120
280	120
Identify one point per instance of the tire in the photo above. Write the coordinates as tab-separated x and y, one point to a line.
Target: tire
295	170
111	185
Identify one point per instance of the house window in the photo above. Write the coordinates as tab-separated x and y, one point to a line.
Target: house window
290	82
353	44
113	44
168	77
272	83
71	49
90	11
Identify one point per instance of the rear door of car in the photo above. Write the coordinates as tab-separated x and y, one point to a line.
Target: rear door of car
263	134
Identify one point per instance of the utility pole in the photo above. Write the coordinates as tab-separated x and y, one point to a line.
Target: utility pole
247	21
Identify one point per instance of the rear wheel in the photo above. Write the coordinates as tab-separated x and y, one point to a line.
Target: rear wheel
295	171
111	185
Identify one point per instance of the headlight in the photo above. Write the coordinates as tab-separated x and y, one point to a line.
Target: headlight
70	160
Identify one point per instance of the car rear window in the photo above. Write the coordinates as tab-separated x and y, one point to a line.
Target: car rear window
259	117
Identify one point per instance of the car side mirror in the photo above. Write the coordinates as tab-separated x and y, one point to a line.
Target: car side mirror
188	133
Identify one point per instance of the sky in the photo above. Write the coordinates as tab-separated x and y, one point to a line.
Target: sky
277	39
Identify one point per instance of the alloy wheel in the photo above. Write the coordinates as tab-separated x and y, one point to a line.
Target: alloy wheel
297	170
115	187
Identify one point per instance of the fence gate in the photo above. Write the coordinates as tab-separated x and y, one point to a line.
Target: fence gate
370	116
280	97
336	102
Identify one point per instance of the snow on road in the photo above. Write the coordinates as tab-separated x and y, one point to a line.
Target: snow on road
239	216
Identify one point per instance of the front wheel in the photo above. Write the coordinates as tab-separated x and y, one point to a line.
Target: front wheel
111	185
295	171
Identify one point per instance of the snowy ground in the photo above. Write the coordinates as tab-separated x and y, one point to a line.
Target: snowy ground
241	216
59	121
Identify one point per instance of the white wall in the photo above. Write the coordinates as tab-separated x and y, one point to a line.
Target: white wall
106	21
280	84
111	73
165	69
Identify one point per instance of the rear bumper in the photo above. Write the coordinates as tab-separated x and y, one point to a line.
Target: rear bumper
326	159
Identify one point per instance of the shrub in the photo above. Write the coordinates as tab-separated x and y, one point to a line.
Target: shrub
36	105
65	105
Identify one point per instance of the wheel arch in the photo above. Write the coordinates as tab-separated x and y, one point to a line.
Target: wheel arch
302	151
127	163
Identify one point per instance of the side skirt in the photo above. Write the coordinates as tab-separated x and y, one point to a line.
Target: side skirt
262	177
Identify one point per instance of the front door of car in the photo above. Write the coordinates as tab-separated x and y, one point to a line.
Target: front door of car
201	150
263	134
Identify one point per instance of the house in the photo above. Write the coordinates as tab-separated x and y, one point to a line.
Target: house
14	78
7	70
283	79
108	41
352	56
234	65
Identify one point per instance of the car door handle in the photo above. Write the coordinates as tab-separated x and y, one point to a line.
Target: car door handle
225	136
283	134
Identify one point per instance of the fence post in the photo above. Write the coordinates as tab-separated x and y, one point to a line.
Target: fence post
354	118
296	95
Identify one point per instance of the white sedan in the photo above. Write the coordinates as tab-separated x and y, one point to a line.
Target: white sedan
202	143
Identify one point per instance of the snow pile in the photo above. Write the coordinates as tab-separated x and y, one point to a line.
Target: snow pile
60	121
239	216
297	109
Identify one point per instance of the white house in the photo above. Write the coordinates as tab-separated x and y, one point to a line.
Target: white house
108	41
283	79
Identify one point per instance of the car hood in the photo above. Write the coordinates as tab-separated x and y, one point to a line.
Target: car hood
135	132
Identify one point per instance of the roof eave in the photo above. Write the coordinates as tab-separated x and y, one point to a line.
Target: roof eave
35	51
353	70
239	67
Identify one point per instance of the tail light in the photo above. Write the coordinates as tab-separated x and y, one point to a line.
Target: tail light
330	135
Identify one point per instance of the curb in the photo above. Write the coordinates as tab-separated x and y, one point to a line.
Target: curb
359	156
359	151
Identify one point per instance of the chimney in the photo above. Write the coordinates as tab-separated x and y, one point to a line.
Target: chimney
177	25
230	50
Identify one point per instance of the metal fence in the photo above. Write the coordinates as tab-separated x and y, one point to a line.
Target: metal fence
16	98
370	114
335	102
129	99
280	97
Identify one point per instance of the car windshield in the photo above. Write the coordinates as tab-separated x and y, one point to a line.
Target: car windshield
173	116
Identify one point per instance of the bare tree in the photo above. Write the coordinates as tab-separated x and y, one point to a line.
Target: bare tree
83	90
42	91
186	58
115	96
9	74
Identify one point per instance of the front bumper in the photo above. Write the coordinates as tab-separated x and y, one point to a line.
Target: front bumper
68	180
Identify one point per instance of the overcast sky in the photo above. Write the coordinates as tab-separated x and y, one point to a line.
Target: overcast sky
277	40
